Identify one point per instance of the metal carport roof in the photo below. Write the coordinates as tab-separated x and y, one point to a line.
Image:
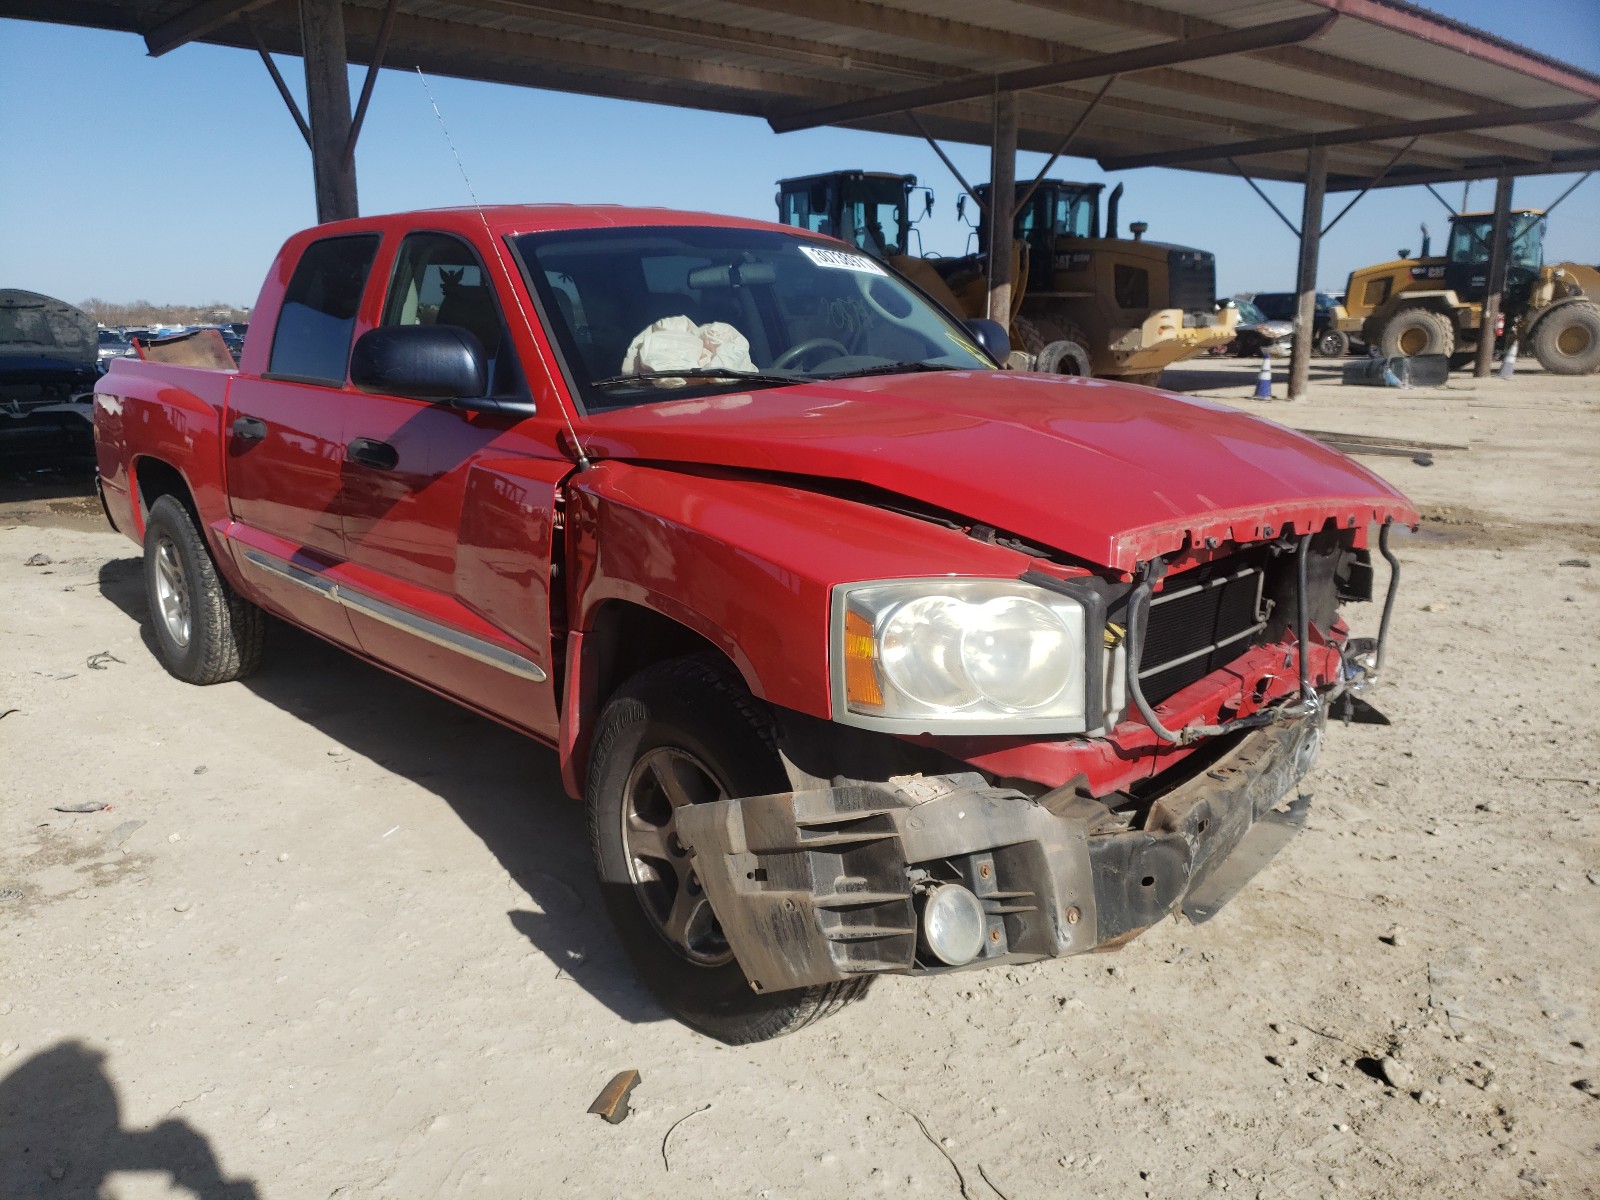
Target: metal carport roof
1338	94
1373	77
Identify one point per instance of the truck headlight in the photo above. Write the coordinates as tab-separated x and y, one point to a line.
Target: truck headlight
961	655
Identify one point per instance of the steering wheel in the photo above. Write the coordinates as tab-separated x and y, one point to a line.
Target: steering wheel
793	355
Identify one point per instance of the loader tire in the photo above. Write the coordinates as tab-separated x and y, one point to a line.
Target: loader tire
1417	331
1058	347
1567	342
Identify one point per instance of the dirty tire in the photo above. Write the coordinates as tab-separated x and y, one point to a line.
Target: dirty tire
697	711
1028	334
1065	357
1143	379
1567	342
205	632
1417	331
1332	343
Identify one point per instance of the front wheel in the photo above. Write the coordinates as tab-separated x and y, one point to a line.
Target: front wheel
686	732
1413	331
205	632
1567	342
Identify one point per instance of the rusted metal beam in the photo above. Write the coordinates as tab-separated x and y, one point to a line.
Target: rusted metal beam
1561	164
1498	247
195	23
1072	133
277	78
1356	199
1266	199
945	158
1278	33
1499	119
373	68
328	107
1306	271
1002	183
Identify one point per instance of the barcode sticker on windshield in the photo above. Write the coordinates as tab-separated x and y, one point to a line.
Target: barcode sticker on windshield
839	260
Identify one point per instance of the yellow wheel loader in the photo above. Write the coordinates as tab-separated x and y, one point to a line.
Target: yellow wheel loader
1133	306
1081	304
1434	304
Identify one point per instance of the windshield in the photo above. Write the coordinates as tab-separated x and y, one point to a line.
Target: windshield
1249	314
874	216
643	315
1470	238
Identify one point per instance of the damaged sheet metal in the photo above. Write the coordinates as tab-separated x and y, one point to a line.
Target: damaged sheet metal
824	885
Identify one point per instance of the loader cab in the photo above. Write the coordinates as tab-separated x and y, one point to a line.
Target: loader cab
869	209
1057	209
1467	255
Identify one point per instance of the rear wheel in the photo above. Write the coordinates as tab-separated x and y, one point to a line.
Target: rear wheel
205	632
1417	331
1331	343
1567	341
686	732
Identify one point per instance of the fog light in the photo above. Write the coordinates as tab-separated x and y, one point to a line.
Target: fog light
953	923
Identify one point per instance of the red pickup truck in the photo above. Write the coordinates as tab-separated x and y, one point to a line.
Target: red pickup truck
866	655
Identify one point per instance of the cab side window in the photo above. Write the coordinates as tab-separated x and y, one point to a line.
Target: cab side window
440	280
312	339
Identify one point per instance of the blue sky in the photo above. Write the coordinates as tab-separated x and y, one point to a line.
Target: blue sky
175	179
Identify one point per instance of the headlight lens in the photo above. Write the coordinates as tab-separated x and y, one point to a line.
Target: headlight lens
951	653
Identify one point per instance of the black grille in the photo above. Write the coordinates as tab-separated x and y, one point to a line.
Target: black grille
1199	624
1192	280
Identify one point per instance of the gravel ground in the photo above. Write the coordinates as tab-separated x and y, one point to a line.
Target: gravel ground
336	937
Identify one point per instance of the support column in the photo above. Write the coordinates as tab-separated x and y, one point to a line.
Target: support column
1306	275
1002	205
328	106
1496	278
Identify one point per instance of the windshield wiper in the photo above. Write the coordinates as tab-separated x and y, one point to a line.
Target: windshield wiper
894	368
697	373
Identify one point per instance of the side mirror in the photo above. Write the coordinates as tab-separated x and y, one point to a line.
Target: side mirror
992	336
422	362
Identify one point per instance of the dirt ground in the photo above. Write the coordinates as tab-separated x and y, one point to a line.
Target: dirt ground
335	937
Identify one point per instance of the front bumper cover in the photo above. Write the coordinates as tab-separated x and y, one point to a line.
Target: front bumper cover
818	886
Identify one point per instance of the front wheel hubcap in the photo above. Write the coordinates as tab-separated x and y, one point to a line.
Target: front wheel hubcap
172	592
664	880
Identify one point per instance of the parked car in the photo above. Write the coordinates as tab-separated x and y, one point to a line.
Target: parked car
1326	338
49	363
113	345
1255	335
866	655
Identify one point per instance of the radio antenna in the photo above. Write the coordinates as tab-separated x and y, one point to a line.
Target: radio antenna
499	252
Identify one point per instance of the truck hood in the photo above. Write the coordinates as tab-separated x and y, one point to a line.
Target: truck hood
1108	473
34	328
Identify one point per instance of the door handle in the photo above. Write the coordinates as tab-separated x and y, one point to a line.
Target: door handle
249	429
371	453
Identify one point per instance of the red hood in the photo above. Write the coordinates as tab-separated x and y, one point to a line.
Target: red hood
1108	473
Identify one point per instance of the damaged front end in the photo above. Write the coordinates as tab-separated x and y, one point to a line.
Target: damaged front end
862	878
941	871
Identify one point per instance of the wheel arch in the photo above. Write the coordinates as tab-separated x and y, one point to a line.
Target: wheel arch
154	478
621	637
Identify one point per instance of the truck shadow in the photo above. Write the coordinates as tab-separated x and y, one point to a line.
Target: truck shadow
61	1133
504	786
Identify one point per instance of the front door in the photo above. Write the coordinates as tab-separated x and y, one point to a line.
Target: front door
448	514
